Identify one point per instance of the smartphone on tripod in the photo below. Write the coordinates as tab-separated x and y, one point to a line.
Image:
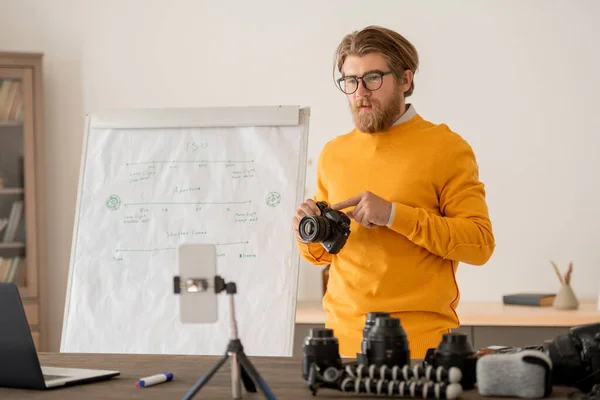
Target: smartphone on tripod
198	304
199	284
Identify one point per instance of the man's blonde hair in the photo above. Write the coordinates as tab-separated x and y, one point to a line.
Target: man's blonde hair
399	53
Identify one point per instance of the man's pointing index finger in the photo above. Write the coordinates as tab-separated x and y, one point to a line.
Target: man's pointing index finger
352	201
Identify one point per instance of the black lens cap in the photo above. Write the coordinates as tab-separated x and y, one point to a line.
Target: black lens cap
454	338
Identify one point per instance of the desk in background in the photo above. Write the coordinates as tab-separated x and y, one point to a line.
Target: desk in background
283	376
485	324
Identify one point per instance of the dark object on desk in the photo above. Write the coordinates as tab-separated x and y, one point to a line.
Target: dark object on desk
362	357
19	364
240	363
320	348
386	342
283	372
524	374
593	394
383	368
575	357
455	351
529	299
331	228
417	382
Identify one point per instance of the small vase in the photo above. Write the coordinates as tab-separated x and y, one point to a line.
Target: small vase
566	299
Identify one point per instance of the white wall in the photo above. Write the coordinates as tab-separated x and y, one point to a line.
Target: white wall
517	79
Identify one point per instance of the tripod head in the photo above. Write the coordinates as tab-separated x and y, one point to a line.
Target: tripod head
195	285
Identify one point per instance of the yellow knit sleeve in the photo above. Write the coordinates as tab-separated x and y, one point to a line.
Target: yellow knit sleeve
463	231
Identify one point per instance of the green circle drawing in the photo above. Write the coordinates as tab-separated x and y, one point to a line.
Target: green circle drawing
273	199
113	203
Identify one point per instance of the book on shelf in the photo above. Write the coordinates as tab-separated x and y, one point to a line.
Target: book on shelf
3	224
11	100
530	299
10	269
14	219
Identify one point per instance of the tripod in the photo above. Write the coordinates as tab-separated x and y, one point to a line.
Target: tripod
240	364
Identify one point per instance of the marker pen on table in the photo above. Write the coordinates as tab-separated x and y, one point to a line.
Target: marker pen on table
154	379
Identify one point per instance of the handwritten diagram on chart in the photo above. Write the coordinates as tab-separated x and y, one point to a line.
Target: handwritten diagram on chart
146	191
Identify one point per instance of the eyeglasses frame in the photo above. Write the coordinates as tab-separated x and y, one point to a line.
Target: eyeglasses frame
360	79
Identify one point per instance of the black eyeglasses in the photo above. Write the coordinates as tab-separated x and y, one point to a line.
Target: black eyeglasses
371	81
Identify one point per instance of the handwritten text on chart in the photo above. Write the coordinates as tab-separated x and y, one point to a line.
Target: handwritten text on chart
246	217
118	256
245	173
195	146
142	171
193	203
140	176
186	233
181	190
227	163
138	218
250	255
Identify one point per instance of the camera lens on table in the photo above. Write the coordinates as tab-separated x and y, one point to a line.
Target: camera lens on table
320	347
388	343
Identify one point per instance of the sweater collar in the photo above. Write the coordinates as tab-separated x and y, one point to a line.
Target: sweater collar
407	116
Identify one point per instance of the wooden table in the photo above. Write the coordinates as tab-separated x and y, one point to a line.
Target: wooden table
485	323
486	314
283	375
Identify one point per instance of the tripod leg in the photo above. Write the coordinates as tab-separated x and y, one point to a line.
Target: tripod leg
258	380
205	378
248	382
236	387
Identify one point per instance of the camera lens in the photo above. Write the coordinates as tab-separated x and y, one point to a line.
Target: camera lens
321	348
455	344
364	345
369	323
388	343
455	351
314	228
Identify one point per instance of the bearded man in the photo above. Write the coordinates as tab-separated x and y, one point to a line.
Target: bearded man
412	191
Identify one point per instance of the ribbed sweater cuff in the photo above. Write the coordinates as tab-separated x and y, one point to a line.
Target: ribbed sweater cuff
405	219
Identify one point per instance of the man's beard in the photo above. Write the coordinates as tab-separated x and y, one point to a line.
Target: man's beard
379	117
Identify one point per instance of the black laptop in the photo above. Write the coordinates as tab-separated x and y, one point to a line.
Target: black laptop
19	363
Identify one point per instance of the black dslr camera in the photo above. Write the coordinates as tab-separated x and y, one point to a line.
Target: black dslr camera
575	357
331	228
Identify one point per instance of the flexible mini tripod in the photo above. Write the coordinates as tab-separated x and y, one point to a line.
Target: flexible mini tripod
240	364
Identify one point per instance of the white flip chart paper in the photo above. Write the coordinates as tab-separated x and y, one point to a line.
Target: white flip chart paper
149	183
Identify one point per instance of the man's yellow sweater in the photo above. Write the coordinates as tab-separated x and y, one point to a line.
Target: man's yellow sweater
407	268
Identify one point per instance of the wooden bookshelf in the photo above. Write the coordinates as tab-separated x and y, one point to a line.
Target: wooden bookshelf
21	180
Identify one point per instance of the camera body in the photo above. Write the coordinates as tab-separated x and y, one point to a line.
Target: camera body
576	357
331	228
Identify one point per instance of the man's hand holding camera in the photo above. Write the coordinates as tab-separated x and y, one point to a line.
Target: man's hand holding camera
316	222
309	207
369	209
